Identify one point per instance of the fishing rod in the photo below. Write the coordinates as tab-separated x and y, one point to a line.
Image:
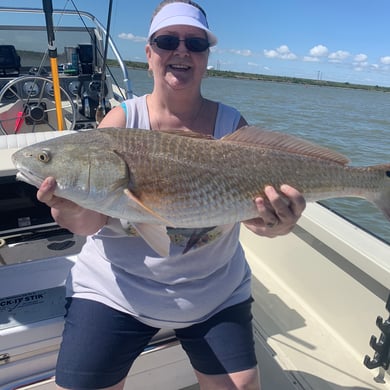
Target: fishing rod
101	109
48	10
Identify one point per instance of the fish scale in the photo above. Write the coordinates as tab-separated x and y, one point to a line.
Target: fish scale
196	187
218	177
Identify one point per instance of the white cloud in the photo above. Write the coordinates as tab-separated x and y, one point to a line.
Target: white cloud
310	59
282	52
271	53
338	56
132	37
385	60
363	64
360	57
244	52
319	51
254	64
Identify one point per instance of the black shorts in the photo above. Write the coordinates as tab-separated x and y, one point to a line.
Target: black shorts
100	344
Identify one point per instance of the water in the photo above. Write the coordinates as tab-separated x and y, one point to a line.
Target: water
355	123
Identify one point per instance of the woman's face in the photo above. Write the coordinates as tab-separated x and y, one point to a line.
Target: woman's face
179	68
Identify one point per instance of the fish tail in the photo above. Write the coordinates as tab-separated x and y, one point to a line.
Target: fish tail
382	198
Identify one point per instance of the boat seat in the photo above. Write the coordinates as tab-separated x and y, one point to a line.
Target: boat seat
20	140
9	60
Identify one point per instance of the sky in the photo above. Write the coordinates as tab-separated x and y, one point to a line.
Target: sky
335	40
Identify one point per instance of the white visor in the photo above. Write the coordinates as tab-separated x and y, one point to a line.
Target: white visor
181	14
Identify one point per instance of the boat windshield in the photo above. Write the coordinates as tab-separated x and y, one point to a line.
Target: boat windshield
79	38
29	44
28	102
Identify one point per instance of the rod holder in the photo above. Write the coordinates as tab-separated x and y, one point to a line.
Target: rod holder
381	347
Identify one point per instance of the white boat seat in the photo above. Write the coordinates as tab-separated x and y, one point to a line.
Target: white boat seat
17	141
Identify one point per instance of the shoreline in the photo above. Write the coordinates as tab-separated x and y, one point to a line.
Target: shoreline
262	77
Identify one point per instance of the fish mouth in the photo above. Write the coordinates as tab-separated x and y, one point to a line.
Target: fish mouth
29	177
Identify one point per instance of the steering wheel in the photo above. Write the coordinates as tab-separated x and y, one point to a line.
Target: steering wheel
27	105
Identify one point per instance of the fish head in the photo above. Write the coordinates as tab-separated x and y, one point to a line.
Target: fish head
85	172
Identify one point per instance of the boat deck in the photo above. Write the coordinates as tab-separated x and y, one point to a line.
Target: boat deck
314	310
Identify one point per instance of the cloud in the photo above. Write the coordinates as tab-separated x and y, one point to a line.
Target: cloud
282	52
339	56
316	53
385	60
360	65
319	51
132	37
360	62
360	57
310	59
244	52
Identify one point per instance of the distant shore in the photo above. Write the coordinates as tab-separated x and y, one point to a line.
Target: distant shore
262	77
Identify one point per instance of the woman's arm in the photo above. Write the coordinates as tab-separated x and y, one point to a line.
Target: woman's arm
115	118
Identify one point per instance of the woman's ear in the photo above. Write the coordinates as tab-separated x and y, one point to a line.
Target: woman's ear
148	51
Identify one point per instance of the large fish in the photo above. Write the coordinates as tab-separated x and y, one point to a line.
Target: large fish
181	179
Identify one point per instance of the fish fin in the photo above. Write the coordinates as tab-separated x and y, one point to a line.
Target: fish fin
134	199
256	136
188	133
155	236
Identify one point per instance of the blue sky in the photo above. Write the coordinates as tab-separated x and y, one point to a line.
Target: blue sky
338	40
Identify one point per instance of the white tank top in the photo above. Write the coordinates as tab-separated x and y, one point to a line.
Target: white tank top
119	269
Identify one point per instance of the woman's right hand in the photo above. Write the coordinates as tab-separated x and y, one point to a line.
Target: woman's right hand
67	213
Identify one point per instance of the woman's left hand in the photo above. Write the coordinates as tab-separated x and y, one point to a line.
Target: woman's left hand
278	214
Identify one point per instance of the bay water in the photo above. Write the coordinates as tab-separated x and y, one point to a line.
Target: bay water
353	122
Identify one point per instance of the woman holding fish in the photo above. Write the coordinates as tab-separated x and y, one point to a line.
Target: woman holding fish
121	292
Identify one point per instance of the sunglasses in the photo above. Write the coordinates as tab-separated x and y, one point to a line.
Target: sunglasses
171	42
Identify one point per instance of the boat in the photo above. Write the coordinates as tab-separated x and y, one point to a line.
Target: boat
322	306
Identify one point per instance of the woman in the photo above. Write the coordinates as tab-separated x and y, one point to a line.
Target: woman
120	291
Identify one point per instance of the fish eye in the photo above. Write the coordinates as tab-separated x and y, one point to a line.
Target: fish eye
388	173
44	156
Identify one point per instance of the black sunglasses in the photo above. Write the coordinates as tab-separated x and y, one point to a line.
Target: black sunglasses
171	42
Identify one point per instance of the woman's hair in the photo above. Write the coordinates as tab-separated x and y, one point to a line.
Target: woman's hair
166	2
